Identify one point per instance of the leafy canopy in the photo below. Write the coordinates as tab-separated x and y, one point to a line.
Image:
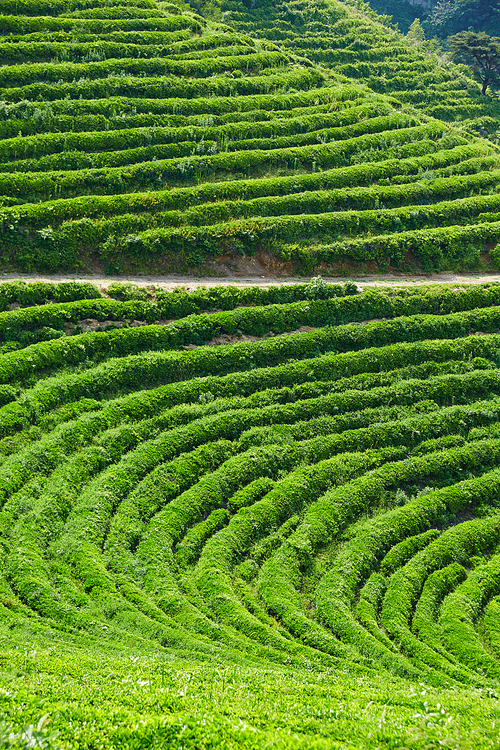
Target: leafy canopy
481	52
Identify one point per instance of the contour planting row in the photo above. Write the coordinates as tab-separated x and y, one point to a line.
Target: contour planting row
27	184
356	42
92	566
35	147
159	22
437	249
243	235
461	159
132	306
93	136
150	368
159	86
336	314
202	401
340	508
52	246
80	48
97	114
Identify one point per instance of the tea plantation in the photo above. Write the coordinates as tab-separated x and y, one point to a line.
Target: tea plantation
245	517
249	518
351	39
139	136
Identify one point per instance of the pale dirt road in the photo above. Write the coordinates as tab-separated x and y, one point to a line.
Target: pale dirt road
190	282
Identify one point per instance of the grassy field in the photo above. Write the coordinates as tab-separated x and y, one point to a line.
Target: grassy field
249	517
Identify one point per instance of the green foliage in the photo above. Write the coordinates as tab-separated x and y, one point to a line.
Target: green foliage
29	736
416	34
278	508
480	51
147	137
475	15
495	256
244	517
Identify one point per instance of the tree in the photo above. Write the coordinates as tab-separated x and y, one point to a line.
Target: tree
481	52
416	33
448	17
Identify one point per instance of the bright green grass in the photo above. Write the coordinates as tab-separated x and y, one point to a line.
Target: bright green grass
108	697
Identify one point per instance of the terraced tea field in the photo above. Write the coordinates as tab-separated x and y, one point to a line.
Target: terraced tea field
140	136
243	518
351	39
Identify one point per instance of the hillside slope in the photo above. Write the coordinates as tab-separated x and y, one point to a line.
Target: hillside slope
140	137
351	39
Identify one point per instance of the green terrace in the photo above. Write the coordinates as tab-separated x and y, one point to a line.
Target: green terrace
349	38
280	536
145	137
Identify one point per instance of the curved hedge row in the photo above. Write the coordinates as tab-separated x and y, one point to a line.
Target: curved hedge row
322	499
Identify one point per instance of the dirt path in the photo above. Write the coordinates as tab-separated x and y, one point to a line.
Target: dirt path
190	282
